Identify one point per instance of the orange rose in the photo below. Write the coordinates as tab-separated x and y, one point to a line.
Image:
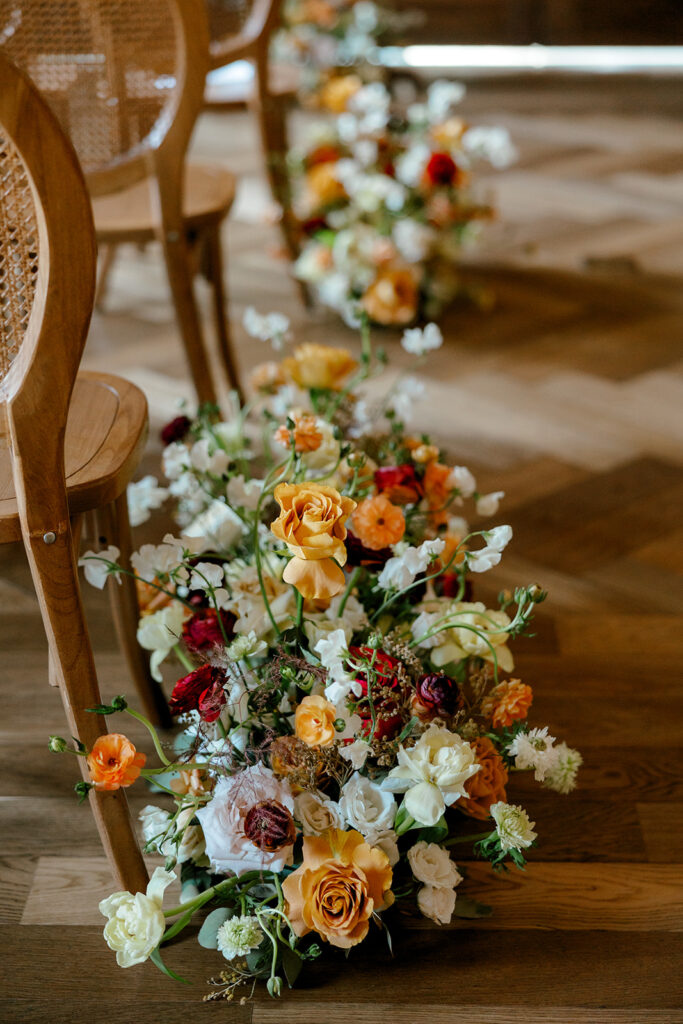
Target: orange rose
507	703
340	885
377	523
392	297
311	524
305	434
114	762
487	787
314	721
337	91
319	366
323	185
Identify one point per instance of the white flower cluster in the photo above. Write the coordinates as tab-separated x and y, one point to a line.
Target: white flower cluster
555	766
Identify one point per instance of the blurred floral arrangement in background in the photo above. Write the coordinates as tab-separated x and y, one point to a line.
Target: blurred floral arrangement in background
349	711
386	200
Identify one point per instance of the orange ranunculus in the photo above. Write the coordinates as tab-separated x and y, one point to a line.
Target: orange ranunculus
392	297
319	366
438	490
338	90
342	882
314	721
304	433
311	523
487	787
114	762
507	703
323	185
377	523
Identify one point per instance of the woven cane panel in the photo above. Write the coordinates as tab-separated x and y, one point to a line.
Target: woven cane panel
108	68
226	17
18	252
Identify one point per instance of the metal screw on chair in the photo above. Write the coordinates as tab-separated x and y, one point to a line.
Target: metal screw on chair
49	538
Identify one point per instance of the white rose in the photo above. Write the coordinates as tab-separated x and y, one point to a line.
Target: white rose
316	813
136	922
154	821
431	864
436	903
366	807
192	844
386	842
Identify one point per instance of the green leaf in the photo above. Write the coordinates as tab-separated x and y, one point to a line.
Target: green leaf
291	964
471	909
435	833
209	930
155	957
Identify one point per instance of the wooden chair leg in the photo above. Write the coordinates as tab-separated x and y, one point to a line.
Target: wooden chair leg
214	253
113	527
55	577
106	262
177	259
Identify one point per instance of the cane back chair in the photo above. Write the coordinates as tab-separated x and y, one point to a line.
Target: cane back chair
68	443
126	80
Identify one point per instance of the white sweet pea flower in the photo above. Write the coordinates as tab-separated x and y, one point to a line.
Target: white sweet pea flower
420	340
355	753
413	239
401	570
159	633
136	922
96	571
482	560
407	391
273	327
534	750
217	528
436	903
175	459
243	493
432	773
411	165
353	616
366	807
490	142
142	497
461	479
514	829
423	625
203	459
154	560
206	575
432	864
562	774
442	95
317	813
487	504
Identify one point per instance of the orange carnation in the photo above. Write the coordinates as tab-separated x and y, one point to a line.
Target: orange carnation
304	433
507	703
377	523
487	787
342	882
392	297
319	366
114	762
311	523
314	721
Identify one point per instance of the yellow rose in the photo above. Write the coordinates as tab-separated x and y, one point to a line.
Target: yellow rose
319	366
342	882
311	523
314	721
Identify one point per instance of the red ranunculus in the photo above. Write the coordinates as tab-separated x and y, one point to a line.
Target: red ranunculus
399	483
358	554
202	691
176	429
436	695
441	169
203	630
384	694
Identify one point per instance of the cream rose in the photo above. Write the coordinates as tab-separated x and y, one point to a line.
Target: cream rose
136	922
316	813
366	807
431	864
437	903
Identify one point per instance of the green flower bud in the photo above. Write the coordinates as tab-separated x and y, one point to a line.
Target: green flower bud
57	744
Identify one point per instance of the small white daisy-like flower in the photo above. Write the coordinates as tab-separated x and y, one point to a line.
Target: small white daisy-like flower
534	749
514	829
238	936
562	774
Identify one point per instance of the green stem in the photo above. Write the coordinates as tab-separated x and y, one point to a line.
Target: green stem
299	609
349	587
466	839
183	658
153	733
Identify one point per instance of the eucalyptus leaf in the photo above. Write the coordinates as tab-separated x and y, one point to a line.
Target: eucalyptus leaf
209	930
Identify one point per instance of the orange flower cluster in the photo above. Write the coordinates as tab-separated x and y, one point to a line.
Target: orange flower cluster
507	703
392	298
114	762
304	434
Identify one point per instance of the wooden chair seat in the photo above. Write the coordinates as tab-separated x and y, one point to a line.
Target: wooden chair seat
129	215
105	435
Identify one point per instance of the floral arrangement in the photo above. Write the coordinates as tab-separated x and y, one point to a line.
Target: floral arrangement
386	205
349	711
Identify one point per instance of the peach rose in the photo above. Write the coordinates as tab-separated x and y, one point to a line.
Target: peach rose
304	433
319	366
314	721
487	787
337	91
114	762
342	882
323	185
392	297
311	523
507	703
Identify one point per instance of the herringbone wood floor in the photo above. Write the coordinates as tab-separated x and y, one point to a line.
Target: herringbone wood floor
568	395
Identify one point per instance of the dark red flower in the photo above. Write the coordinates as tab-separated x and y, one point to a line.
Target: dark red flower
269	826
203	630
176	429
436	695
358	554
313	225
399	483
441	169
380	693
202	691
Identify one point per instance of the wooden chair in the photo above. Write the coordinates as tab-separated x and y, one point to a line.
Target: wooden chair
126	80
242	30
68	443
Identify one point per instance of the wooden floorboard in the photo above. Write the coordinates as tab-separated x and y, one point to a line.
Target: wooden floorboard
568	395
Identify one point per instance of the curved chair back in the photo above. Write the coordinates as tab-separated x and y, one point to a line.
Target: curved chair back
124	77
237	26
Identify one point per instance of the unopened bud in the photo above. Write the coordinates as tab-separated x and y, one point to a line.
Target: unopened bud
274	986
57	744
